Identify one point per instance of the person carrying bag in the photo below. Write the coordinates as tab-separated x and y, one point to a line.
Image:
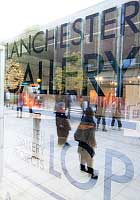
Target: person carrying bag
85	135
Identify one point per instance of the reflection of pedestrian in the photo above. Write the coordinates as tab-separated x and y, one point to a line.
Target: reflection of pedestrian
19	104
62	124
68	102
30	104
84	106
85	135
7	98
116	113
39	100
100	113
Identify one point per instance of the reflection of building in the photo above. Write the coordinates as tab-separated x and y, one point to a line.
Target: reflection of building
75	52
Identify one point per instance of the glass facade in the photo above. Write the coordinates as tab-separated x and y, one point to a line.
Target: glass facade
95	55
81	67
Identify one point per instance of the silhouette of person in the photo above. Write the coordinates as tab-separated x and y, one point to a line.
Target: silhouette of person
116	113
19	104
7	98
68	102
100	112
31	104
85	135
84	106
62	124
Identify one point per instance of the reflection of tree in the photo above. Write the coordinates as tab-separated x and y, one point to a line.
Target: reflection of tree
58	78
14	75
73	73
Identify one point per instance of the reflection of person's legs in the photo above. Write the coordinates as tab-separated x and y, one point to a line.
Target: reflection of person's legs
104	124
7	103
119	123
98	121
30	111
68	112
17	112
89	161
82	158
20	112
83	113
113	121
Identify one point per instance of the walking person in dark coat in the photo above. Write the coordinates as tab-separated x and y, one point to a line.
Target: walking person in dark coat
116	113
85	135
62	124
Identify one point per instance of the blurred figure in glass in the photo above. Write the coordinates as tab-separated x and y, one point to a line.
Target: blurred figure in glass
7	98
85	135
100	112
20	104
116	113
62	124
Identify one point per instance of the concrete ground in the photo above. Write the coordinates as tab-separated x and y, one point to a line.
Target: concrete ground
55	174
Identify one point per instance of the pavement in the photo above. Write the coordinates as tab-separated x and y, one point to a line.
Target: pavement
55	174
